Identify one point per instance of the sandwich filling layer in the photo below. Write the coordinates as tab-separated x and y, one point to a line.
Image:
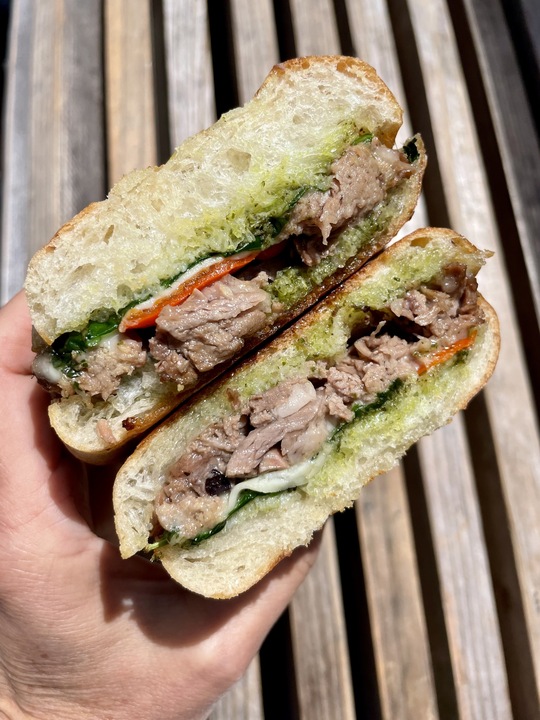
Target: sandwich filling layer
275	439
204	317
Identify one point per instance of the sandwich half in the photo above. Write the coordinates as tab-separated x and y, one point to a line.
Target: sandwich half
145	297
254	465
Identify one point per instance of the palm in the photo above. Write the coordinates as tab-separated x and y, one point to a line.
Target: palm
95	626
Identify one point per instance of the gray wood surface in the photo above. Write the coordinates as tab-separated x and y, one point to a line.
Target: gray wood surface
508	396
53	149
130	91
188	68
401	644
517	140
323	676
95	89
400	640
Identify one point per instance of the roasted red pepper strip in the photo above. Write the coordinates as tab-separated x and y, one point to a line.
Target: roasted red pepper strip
137	318
447	353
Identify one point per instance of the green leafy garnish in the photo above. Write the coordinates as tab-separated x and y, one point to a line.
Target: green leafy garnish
168	535
243	499
364	138
382	398
79	342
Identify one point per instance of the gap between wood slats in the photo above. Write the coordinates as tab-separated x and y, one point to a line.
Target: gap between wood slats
523	18
441	662
163	140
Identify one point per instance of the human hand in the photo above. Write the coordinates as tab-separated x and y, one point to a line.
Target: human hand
84	633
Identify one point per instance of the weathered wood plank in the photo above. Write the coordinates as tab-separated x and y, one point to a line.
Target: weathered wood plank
317	622
469	605
16	150
508	394
56	106
192	108
371	34
519	146
400	640
319	640
315	29
189	68
255	44
131	121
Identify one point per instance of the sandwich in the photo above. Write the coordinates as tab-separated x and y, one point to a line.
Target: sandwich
253	465
145	297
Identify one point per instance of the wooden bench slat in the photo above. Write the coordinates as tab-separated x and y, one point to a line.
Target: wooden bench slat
189	68
319	640
131	121
519	145
468	601
315	28
400	641
317	625
371	34
256	48
255	44
57	120
16	150
508	396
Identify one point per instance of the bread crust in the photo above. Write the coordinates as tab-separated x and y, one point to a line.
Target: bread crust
226	564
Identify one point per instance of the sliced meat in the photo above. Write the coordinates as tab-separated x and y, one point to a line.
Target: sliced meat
273	460
104	366
293	414
193	478
378	361
446	311
209	451
280	401
301	444
361	179
209	327
171	364
188	512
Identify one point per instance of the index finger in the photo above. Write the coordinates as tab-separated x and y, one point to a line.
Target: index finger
16	354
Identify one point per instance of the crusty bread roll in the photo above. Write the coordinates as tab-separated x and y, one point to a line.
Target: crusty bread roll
210	197
269	527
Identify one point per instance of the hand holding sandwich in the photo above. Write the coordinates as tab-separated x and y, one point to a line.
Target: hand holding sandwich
85	634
